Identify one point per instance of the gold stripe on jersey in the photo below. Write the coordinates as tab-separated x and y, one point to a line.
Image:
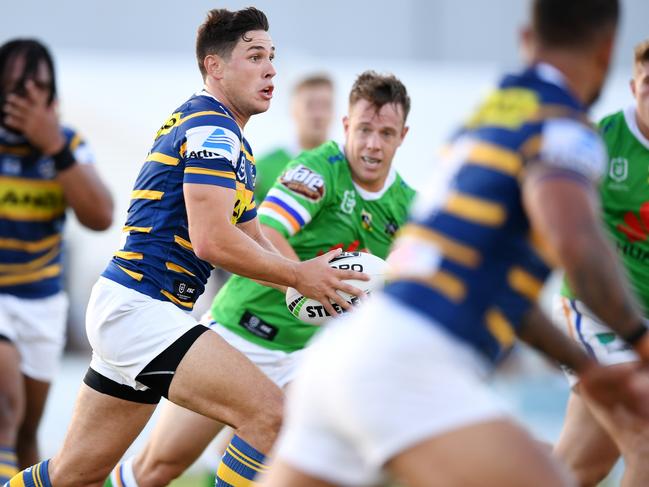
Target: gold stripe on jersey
532	146
249	156
30	246
162	158
183	149
452	249
525	283
31	265
201	114
495	157
137	229
15	150
176	268
510	108
24	199
443	282
174	299
185	244
129	255
475	209
135	275
500	327
44	273
210	172
146	194
74	143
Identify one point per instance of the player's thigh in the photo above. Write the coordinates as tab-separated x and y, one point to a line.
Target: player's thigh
12	399
498	452
216	380
101	429
584	445
179	437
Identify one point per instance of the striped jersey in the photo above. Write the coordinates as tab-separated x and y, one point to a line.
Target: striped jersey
468	258
316	206
200	143
32	215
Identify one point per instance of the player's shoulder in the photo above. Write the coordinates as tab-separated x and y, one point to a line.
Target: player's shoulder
202	110
403	188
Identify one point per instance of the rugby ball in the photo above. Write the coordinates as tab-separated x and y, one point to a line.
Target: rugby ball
312	312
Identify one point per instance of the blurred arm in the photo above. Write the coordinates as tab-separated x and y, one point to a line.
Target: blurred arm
87	195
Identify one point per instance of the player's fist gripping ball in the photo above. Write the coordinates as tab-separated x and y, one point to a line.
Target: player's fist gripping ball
311	311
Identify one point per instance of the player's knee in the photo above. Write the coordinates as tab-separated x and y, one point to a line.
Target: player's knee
271	413
590	474
11	412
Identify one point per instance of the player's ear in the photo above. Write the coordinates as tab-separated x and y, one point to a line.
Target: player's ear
632	85
346	124
404	131
213	65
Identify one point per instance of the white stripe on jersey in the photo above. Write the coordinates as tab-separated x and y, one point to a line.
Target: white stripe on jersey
277	217
292	203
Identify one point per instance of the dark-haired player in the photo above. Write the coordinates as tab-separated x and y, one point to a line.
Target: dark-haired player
44	169
192	208
398	388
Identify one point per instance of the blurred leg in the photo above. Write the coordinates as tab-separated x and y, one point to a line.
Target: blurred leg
27	445
12	406
584	445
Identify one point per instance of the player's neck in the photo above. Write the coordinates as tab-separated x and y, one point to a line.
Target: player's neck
577	75
239	116
642	125
308	143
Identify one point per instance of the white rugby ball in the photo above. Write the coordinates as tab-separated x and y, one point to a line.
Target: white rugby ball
312	312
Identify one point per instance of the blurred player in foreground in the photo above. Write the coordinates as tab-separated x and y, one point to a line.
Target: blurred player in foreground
349	197
398	387
192	208
593	437
44	169
312	109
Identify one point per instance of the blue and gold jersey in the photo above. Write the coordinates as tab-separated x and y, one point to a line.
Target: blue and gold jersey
200	144
32	214
468	258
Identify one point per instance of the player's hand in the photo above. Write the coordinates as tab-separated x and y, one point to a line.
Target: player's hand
317	280
37	121
618	387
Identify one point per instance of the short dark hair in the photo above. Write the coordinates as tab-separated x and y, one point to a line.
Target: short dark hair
641	52
379	90
222	30
33	51
570	23
311	81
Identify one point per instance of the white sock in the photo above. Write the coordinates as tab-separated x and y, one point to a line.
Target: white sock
123	470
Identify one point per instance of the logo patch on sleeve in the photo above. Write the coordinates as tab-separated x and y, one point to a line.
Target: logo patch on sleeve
305	182
210	142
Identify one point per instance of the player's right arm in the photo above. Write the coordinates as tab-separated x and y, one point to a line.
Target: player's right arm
216	240
560	197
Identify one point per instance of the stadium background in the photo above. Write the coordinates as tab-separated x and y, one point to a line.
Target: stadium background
124	65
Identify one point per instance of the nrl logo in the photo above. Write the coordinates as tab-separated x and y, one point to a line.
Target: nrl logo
618	169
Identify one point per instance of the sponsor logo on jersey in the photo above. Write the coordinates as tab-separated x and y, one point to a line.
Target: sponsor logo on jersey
348	203
169	124
257	326
11	166
184	290
219	139
305	182
635	229
618	169
203	154
23	199
366	219
391	228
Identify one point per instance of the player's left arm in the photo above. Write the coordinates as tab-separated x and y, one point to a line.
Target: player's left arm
84	191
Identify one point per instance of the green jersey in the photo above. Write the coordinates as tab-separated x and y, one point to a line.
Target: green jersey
269	167
317	207
624	194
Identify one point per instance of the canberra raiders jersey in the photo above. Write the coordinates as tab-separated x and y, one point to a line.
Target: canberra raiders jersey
317	207
468	259
624	193
32	214
199	144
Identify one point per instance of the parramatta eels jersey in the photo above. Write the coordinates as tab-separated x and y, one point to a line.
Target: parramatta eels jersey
32	214
317	207
468	258
624	192
200	143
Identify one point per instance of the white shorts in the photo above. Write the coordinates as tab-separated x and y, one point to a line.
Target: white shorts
375	383
128	329
594	336
279	366
37	328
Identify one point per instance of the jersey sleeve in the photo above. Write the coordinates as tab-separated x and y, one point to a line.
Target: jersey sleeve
297	195
79	147
249	213
212	149
574	147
